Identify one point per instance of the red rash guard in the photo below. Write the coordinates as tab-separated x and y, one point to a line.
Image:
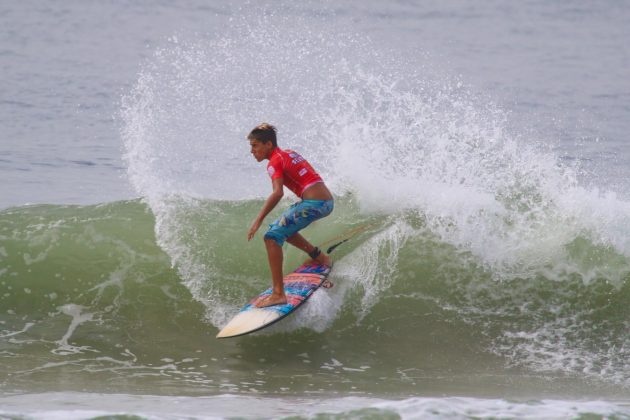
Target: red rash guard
296	173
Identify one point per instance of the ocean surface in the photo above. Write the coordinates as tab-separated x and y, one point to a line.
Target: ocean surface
479	150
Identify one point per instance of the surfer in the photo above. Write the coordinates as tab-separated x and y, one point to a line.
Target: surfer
287	168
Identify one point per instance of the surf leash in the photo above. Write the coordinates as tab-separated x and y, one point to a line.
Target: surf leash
347	236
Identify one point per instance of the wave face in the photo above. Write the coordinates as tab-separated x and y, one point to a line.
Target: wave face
89	301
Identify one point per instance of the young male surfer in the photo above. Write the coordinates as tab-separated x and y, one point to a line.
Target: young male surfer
287	168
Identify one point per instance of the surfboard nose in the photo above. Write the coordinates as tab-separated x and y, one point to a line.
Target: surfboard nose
249	321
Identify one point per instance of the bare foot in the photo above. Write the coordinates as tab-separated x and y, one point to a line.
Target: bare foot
271	300
322	259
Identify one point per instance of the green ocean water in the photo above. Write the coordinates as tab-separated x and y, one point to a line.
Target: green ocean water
90	302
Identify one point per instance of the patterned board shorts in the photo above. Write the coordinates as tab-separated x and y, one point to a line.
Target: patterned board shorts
297	217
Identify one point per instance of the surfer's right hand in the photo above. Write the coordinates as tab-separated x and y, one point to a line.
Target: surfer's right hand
253	229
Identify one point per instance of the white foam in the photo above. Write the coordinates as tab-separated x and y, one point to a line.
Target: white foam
79	316
85	406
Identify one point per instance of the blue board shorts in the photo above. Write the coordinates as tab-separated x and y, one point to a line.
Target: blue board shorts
297	217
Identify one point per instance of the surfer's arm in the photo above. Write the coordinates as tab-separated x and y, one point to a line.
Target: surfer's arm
269	205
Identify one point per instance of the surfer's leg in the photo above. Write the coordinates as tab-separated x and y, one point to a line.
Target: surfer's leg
307	211
275	237
274	254
300	242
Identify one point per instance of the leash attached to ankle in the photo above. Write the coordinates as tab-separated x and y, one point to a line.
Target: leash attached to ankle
315	253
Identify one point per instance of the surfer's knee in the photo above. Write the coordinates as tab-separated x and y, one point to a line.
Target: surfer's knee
274	237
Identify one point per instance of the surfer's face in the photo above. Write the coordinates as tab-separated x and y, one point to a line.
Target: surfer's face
260	150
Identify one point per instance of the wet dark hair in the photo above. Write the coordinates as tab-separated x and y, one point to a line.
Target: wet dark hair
264	133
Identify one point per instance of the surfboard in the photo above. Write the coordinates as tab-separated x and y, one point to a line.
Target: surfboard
298	287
